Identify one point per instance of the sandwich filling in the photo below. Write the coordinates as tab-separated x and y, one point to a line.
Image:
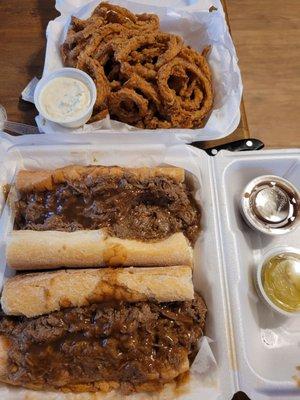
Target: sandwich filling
136	345
150	209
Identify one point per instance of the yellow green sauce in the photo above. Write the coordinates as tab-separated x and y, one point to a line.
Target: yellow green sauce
281	281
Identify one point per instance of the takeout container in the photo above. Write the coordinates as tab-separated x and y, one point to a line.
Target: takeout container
252	348
74	73
199	26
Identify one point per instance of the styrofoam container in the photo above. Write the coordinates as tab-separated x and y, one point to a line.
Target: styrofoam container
267	345
247	346
43	151
74	73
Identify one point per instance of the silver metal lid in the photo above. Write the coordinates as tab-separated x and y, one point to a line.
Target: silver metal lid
271	204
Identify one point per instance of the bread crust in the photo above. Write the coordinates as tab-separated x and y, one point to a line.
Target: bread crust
29	250
41	293
40	180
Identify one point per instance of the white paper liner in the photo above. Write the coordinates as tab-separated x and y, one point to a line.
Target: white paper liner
198	27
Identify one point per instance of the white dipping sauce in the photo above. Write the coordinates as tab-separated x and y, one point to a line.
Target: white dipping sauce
64	99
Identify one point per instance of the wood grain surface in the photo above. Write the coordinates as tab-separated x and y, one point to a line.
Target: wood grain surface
22	49
266	34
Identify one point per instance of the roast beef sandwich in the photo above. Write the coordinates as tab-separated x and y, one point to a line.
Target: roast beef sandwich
85	330
94	216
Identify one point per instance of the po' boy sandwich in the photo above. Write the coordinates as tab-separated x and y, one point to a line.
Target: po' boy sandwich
95	216
132	329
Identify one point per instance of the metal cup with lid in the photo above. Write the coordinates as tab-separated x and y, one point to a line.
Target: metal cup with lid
271	205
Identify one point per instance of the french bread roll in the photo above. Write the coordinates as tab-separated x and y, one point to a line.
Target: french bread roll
40	180
29	250
41	293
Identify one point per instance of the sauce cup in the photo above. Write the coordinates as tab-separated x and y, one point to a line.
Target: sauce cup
259	280
81	117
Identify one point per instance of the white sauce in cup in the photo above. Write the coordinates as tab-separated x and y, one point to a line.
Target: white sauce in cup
64	99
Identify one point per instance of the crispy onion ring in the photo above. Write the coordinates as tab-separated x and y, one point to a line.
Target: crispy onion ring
153	119
186	87
99	116
143	76
96	71
156	123
200	89
117	14
192	56
147	89
104	8
144	71
104	35
76	36
127	106
139	49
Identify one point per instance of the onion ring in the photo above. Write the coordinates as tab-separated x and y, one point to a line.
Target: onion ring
127	106
143	76
104	8
174	103
99	116
192	56
147	89
118	14
96	71
147	73
170	46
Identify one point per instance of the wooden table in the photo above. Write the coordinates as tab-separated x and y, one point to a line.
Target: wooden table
22	49
242	131
266	35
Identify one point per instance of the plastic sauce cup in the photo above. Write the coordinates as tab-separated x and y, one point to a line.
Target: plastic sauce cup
81	118
259	281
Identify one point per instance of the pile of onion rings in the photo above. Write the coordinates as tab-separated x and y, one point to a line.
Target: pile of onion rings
144	77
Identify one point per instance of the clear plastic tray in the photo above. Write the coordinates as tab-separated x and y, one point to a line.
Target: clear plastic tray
255	351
